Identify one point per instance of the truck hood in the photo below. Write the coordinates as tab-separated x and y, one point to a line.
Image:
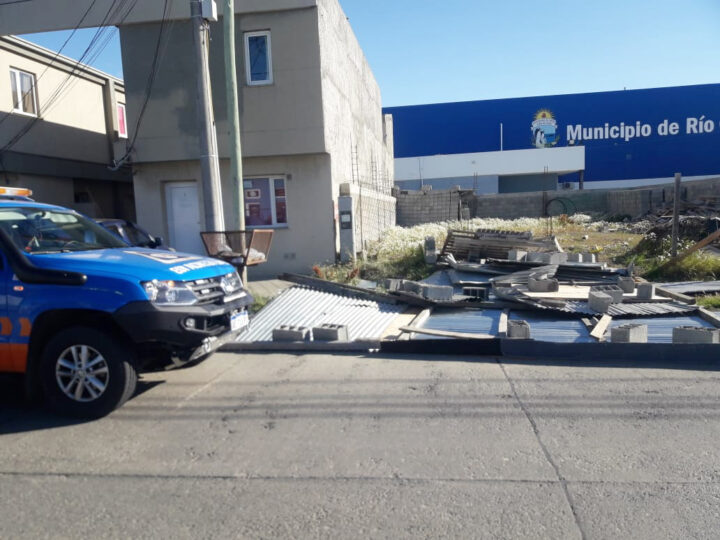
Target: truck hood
140	264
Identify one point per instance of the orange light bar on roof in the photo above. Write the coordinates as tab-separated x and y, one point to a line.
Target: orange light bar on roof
20	192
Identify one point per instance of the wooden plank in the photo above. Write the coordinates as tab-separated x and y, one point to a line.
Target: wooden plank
444	333
403	319
503	323
709	316
599	331
419	319
674	295
709	239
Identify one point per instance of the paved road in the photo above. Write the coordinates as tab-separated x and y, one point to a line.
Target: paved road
350	446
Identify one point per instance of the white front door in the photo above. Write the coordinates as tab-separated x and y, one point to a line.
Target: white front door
183	212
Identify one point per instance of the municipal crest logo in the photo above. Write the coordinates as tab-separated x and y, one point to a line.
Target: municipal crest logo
544	129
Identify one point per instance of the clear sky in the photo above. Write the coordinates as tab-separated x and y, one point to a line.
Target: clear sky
430	51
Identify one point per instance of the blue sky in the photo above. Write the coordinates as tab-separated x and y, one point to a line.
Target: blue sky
430	51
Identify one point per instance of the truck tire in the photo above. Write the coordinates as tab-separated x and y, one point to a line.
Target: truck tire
87	373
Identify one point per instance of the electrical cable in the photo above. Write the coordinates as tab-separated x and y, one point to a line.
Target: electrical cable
92	50
167	7
54	58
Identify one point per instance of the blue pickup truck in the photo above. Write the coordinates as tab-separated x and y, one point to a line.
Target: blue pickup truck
82	311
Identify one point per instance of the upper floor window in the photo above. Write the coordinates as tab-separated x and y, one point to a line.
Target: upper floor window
23	92
258	58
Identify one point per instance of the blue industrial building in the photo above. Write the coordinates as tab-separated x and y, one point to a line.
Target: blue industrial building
607	139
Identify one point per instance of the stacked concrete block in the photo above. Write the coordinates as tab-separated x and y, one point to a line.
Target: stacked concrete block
517	255
626	283
575	257
629	333
695	334
480	293
430	253
438	293
645	291
286	332
599	301
589	258
615	292
331	332
518	329
543	285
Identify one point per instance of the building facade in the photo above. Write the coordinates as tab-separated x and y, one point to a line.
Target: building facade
60	125
317	149
311	122
608	139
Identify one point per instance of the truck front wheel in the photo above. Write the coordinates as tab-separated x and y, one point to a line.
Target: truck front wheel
87	373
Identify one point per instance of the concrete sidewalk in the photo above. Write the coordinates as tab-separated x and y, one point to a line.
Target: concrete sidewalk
345	446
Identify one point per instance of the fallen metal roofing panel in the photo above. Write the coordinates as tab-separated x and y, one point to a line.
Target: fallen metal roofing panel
693	287
660	328
302	306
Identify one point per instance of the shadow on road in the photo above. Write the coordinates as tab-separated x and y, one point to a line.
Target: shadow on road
19	415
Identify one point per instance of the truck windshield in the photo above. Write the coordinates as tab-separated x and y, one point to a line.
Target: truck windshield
41	230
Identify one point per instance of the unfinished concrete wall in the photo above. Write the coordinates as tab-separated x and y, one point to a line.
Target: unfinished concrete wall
414	207
358	137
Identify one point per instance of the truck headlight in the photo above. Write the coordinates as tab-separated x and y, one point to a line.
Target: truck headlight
169	293
231	283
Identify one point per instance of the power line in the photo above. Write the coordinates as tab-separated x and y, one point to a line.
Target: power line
57	54
114	10
167	7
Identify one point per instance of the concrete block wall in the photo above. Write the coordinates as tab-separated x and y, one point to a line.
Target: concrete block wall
415	207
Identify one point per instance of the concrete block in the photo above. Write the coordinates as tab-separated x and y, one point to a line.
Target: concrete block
412	286
557	257
517	255
286	332
599	301
330	332
695	334
392	284
646	291
543	285
575	257
626	283
518	329
589	258
438	293
615	292
535	256
629	333
481	293
430	253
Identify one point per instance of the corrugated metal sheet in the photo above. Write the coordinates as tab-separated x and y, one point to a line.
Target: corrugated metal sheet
634	309
660	328
301	306
546	327
467	321
693	287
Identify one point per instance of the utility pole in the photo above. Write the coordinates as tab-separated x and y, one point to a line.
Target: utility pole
209	165
233	116
676	215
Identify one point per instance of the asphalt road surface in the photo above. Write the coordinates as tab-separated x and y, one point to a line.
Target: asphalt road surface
344	446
